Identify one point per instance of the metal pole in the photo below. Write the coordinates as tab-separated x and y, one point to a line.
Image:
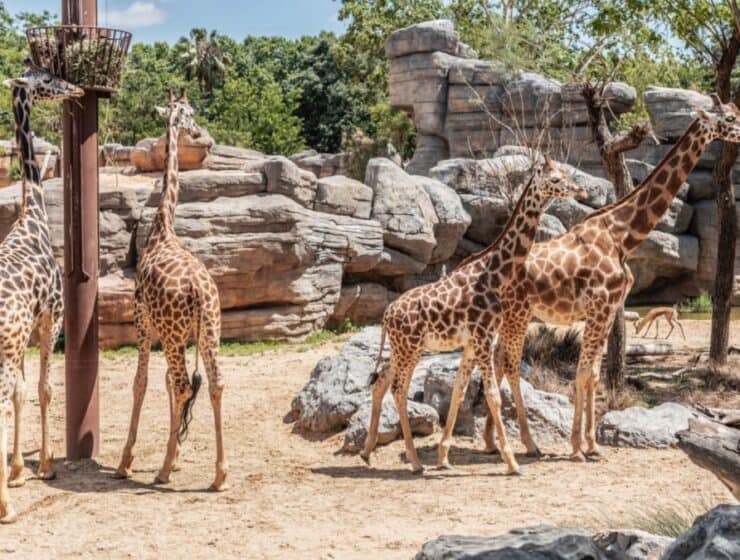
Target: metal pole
80	153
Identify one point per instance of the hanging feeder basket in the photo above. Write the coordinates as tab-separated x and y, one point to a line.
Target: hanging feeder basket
90	57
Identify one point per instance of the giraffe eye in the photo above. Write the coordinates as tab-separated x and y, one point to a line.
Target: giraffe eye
730	118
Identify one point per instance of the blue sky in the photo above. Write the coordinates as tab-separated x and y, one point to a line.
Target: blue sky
156	20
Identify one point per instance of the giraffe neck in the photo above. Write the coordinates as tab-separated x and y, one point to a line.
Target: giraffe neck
32	199
634	217
170	183
512	246
517	237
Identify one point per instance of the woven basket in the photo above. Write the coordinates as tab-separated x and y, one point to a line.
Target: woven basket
90	57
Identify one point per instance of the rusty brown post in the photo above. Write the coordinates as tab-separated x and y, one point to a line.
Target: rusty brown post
80	153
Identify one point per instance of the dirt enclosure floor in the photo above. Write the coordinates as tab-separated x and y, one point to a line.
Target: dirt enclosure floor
292	496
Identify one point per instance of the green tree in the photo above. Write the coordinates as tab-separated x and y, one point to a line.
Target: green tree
253	111
202	58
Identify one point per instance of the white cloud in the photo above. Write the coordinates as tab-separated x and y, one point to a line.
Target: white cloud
138	14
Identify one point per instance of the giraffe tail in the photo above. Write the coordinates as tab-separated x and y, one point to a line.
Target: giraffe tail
195	382
375	374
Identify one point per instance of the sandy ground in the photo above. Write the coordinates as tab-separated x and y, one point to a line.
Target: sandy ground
292	496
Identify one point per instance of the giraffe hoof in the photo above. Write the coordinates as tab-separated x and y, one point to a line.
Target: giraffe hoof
536	453
9	516
446	466
594	455
365	457
122	473
17	482
516	472
46	473
418	470
162	479
491	450
222	487
578	457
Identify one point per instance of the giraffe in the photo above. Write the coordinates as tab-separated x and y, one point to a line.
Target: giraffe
174	297
583	275
30	287
462	310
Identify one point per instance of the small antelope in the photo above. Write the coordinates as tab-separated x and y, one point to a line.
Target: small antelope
668	313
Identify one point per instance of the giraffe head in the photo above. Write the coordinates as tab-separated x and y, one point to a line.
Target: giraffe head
40	84
722	120
182	113
550	180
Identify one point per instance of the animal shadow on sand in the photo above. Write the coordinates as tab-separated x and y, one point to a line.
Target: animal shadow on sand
89	476
460	456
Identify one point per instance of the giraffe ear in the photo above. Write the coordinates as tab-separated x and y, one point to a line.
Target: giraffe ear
716	101
162	111
549	165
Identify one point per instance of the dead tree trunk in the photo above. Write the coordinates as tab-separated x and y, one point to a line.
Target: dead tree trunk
612	150
714	447
727	238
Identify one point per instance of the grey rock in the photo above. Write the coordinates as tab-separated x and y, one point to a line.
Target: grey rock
231	158
631	544
644	427
344	196
429	150
338	384
663	255
428	36
670	109
713	536
423	420
452	219
537	543
285	177
362	303
403	209
568	211
321	165
204	185
550	227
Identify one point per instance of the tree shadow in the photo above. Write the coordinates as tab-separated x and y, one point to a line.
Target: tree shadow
402	473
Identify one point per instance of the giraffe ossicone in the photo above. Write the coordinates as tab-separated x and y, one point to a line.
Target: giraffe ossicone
463	310
30	287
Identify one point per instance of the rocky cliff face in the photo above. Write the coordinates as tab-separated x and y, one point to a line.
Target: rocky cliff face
467	110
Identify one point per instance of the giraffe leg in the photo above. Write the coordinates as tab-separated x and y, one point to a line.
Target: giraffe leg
493	398
458	394
7	513
400	389
595	332
17	476
49	328
379	390
512	342
499	358
180	392
209	351
144	340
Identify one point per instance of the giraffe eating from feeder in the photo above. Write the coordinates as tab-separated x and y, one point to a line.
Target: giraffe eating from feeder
30	286
175	296
463	309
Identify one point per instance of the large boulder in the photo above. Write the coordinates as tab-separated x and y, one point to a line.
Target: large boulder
285	177
149	154
345	196
538	542
644	427
231	158
428	36
422	418
404	210
362	303
670	110
452	219
631	544
321	165
663	255
713	536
